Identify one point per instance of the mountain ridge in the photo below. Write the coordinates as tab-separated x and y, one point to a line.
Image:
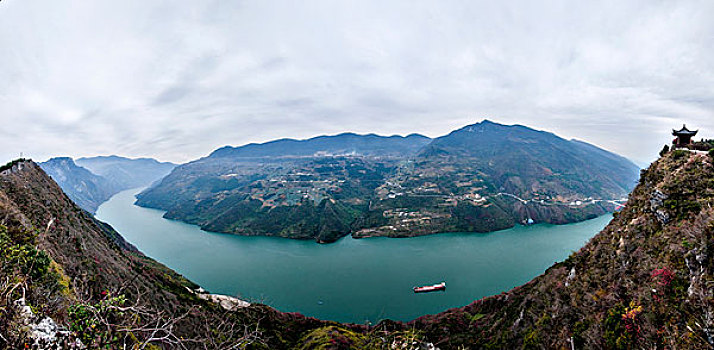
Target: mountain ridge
127	173
89	182
355	143
451	184
84	187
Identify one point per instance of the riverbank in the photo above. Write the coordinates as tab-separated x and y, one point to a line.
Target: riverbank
352	280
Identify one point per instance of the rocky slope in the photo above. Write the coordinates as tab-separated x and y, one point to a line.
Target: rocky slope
89	182
85	188
644	282
481	178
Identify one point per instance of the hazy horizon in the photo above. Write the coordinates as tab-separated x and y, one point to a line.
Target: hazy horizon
176	80
281	138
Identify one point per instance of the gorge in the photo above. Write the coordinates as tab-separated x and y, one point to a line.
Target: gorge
352	280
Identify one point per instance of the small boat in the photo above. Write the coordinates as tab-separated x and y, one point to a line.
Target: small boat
431	288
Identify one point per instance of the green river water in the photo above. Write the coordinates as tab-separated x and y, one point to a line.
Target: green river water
352	280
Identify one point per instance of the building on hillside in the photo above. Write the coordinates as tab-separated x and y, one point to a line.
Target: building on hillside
683	137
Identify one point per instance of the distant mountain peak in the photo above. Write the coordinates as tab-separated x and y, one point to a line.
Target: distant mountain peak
91	181
485	125
60	160
116	158
85	188
347	143
125	172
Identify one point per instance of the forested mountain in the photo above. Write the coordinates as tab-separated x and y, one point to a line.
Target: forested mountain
528	162
480	178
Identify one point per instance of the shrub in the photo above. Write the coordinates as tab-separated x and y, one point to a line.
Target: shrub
25	272
680	153
17	254
10	164
682	207
91	322
663	276
631	319
614	330
664	150
578	330
531	340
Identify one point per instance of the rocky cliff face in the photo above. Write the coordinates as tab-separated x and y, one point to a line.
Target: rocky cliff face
85	188
89	182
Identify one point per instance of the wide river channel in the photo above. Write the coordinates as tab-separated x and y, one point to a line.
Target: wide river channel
352	280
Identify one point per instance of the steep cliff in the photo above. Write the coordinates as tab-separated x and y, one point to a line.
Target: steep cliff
86	189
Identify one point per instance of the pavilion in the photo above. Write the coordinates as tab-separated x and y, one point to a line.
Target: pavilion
684	136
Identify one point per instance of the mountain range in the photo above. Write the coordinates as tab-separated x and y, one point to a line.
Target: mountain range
334	145
643	282
480	178
127	173
84	187
91	181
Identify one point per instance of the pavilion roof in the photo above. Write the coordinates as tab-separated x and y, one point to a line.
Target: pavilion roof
684	132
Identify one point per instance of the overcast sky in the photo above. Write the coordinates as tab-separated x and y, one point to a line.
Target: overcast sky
176	79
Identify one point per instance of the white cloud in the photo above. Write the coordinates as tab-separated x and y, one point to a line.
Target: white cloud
175	80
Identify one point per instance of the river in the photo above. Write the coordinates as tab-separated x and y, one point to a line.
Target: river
351	280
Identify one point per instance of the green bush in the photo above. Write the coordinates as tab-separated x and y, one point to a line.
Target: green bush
664	150
682	207
531	340
22	257
680	153
91	322
10	164
614	330
578	330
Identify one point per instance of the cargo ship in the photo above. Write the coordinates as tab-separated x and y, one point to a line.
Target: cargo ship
431	288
